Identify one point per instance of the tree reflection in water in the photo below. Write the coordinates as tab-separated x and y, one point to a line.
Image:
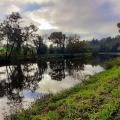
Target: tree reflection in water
57	69
22	77
26	76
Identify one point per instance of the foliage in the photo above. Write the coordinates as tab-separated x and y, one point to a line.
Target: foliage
25	41
77	47
70	44
58	38
41	48
15	34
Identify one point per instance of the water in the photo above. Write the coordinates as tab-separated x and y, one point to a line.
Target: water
22	84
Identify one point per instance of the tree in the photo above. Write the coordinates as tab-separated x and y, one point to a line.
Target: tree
78	47
58	38
51	49
118	25
41	48
73	39
12	31
74	45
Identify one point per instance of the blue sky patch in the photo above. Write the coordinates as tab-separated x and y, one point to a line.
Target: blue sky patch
32	7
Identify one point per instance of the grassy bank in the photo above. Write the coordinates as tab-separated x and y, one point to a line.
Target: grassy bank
96	99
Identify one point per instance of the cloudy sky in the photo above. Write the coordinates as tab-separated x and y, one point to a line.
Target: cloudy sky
89	18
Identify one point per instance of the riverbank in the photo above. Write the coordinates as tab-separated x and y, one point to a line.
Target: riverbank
96	99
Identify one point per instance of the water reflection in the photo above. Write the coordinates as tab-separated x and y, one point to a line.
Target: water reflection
22	84
57	67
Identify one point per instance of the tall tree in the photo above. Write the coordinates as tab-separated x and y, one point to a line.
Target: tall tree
14	33
41	48
58	38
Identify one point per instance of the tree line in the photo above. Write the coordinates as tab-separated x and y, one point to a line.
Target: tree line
108	44
21	40
24	40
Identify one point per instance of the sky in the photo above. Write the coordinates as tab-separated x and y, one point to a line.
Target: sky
88	18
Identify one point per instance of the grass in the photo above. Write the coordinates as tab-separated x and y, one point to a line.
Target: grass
112	63
96	99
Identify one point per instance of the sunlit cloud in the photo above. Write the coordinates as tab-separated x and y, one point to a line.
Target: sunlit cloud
45	25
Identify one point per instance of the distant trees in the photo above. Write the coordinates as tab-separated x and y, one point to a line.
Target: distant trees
75	45
78	47
105	45
70	44
22	40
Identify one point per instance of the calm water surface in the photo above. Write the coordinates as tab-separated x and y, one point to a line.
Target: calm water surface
22	84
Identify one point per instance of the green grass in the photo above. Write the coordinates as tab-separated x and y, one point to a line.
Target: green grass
112	63
96	99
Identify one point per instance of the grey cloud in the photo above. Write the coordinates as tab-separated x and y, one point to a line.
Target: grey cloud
78	16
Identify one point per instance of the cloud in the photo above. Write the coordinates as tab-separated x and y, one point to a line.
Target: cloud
94	18
12	8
